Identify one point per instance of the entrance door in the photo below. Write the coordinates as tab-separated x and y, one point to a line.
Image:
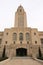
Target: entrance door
21	52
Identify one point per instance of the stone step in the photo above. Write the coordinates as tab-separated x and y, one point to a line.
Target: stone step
21	57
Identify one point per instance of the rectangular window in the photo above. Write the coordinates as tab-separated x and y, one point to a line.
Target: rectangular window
14	36
42	40
21	36
27	36
0	41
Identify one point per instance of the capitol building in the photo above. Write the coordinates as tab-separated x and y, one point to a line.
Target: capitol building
21	40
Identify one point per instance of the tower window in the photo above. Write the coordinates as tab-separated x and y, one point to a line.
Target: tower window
20	10
21	36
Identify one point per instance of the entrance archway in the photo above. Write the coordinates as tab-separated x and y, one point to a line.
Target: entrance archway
21	52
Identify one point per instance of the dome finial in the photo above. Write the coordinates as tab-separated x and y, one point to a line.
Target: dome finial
20	5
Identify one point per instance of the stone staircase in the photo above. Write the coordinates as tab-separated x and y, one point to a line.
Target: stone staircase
20	61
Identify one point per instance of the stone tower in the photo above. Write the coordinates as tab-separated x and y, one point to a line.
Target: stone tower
20	18
21	40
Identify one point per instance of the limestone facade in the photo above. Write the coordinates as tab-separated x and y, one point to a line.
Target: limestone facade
21	36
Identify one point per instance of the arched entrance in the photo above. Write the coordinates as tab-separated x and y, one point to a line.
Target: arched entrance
21	52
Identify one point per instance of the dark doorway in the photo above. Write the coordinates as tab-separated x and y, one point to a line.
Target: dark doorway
21	52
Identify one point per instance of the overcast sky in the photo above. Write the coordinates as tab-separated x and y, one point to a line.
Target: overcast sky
33	9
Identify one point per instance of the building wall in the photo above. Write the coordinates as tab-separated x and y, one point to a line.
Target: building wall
30	45
33	36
